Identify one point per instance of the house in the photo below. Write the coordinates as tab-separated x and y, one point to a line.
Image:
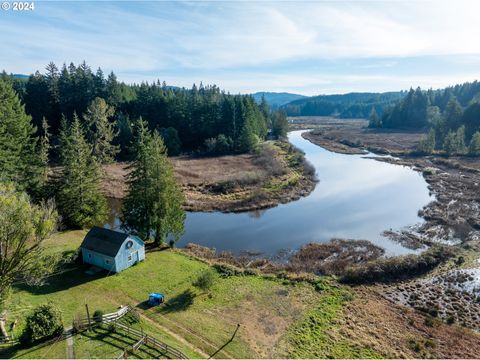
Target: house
111	250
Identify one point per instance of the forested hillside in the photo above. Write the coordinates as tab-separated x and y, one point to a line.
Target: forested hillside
352	105
188	119
452	114
275	100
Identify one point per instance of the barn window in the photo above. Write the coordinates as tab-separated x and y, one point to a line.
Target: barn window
129	244
129	257
107	261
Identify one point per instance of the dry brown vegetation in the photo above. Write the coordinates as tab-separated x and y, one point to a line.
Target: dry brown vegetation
353	136
395	331
276	173
453	219
333	257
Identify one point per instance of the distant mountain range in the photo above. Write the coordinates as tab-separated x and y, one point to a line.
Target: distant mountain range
351	105
20	76
275	100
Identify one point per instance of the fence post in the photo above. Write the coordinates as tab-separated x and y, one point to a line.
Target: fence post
88	317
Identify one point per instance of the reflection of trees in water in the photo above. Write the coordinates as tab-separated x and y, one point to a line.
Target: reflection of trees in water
256	214
115	210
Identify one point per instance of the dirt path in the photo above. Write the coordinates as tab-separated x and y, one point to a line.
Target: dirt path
180	338
176	336
69	341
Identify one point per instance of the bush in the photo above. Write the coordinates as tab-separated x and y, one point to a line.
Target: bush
98	316
266	157
44	323
204	281
220	145
426	145
397	268
245	179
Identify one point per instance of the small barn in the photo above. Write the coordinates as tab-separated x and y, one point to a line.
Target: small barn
111	250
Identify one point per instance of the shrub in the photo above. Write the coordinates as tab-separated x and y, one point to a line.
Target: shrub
204	281
220	145
397	268
429	321
44	323
266	157
98	316
427	145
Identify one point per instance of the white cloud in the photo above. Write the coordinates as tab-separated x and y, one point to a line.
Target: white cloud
248	46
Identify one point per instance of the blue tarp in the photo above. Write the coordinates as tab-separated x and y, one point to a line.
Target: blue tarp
155	298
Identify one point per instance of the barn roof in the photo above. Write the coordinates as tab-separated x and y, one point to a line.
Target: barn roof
104	241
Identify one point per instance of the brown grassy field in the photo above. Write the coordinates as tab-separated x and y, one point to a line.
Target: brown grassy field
275	174
352	136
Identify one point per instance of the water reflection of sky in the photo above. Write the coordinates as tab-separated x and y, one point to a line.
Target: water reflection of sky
356	198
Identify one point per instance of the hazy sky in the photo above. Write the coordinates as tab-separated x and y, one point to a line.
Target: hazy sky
309	47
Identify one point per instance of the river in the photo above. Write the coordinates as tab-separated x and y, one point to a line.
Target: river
356	198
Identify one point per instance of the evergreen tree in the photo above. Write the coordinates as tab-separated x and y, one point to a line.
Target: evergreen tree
427	146
80	199
279	124
18	157
247	140
474	148
265	109
101	131
153	206
125	134
453	114
40	190
454	142
172	141
374	119
44	148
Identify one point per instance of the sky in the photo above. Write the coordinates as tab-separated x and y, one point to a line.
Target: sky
304	47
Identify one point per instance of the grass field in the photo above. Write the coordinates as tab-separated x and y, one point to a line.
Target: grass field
272	312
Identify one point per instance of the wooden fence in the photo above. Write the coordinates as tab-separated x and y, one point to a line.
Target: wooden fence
148	340
140	335
83	323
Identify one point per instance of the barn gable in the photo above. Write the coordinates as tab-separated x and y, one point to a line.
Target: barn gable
111	250
104	241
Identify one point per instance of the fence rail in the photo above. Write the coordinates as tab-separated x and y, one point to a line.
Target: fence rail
142	337
150	340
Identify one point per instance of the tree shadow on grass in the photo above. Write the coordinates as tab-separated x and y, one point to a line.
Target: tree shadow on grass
180	302
67	277
120	340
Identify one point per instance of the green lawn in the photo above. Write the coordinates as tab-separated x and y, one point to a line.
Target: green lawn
54	350
267	309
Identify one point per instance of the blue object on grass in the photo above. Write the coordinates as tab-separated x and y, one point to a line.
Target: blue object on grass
155	299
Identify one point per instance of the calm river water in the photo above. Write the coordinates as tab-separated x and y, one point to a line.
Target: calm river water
356	198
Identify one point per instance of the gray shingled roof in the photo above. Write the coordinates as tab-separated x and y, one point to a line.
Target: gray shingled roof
104	241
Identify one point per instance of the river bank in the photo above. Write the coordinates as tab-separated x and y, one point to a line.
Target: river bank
451	291
453	217
276	174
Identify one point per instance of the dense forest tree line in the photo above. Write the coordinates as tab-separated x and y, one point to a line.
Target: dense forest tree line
186	118
452	115
352	105
30	197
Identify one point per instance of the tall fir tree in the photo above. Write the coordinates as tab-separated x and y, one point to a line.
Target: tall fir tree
153	206
101	131
80	199
19	161
279	124
474	147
